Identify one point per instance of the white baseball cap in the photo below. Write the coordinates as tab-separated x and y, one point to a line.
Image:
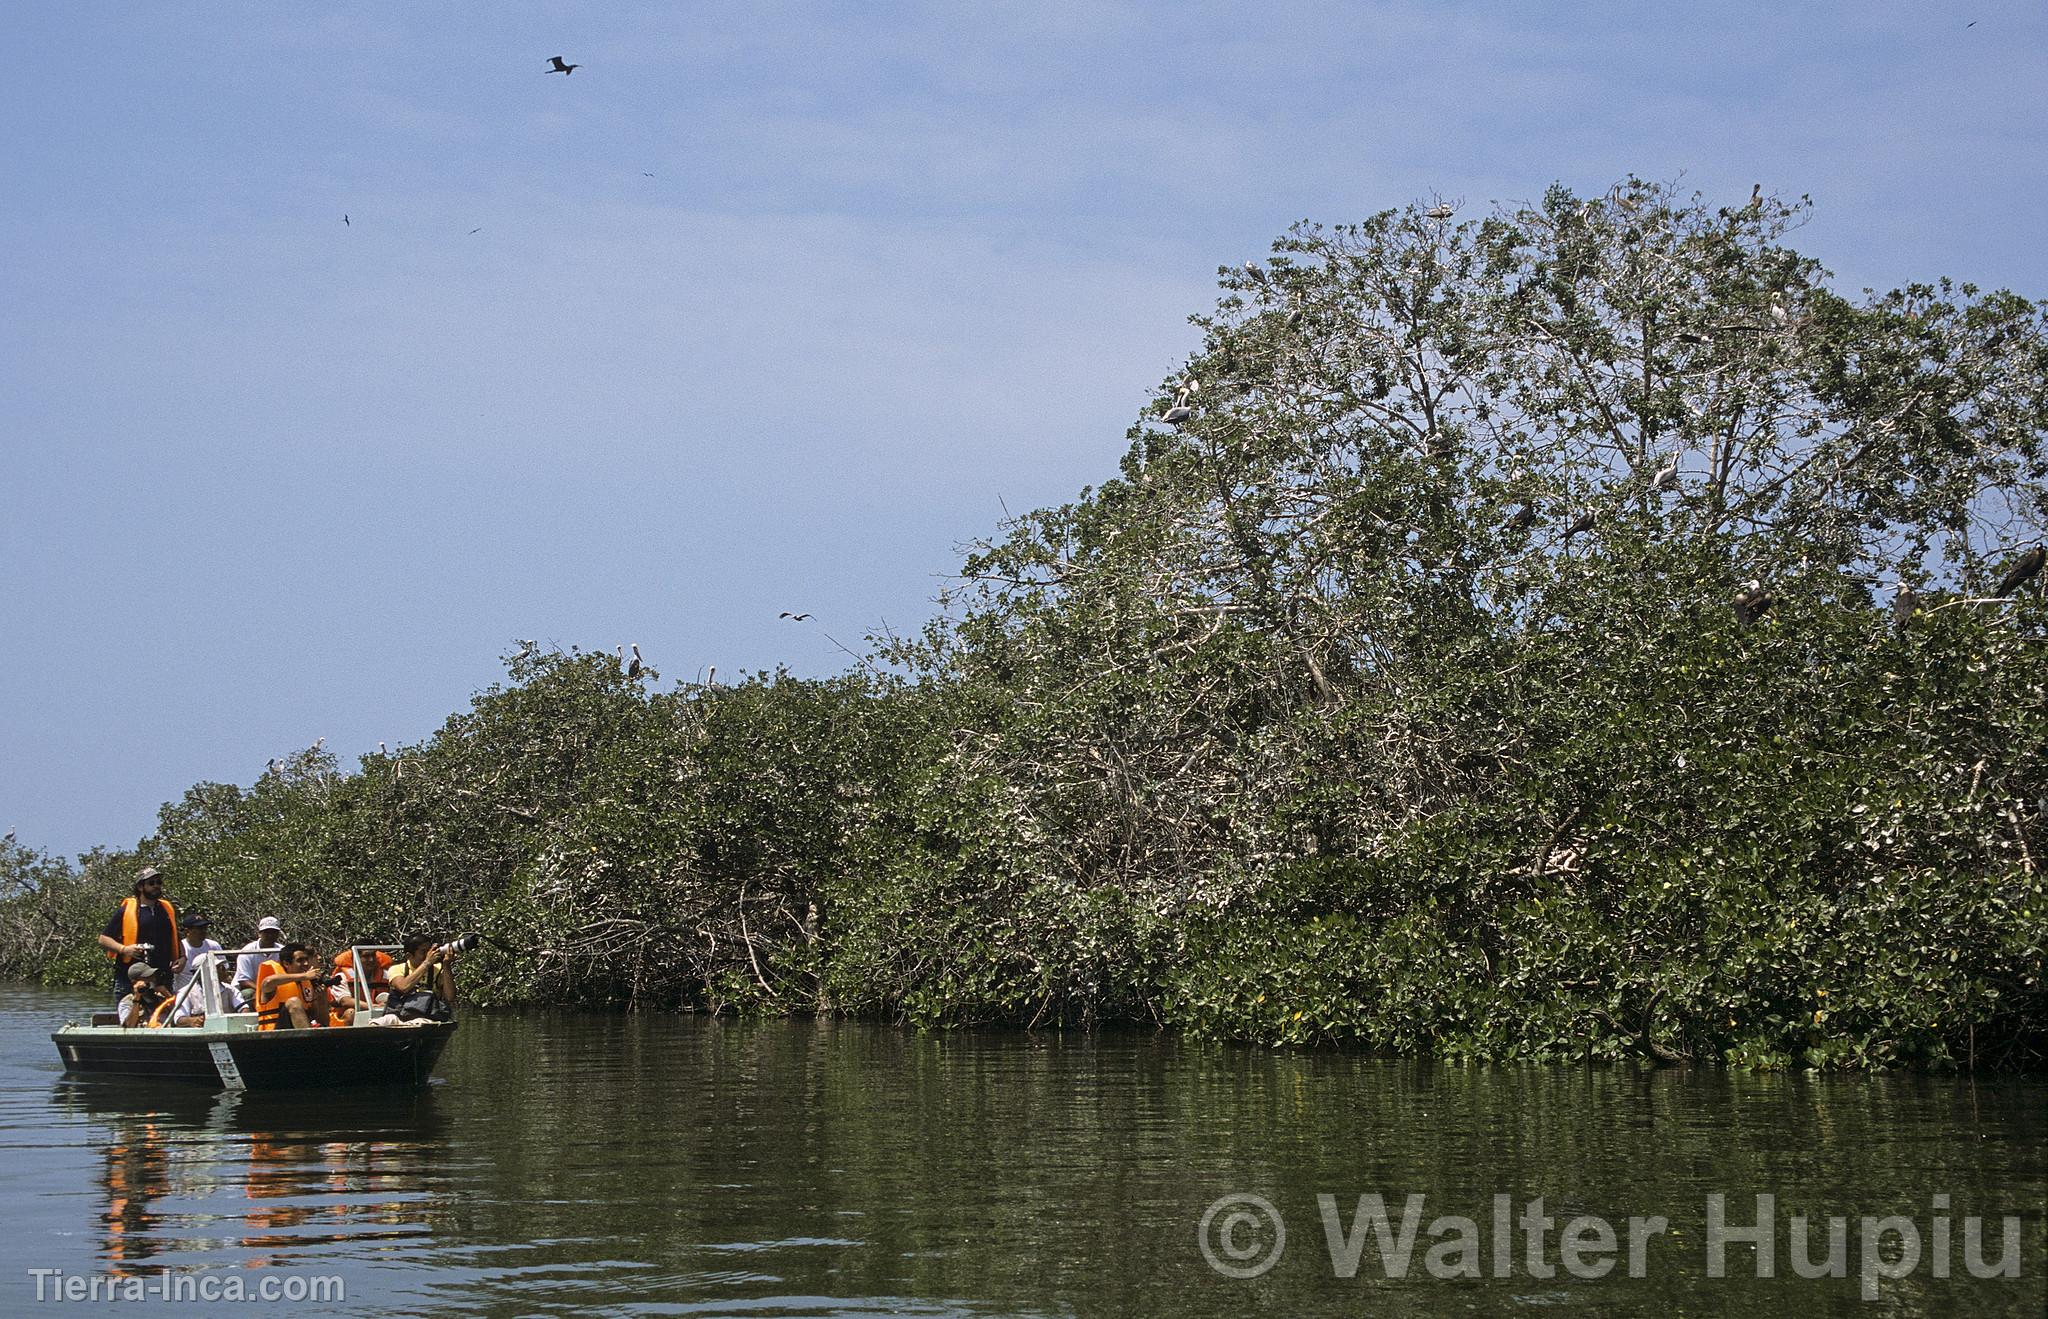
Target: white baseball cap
269	923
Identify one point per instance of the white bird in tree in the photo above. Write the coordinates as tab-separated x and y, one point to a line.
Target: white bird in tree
560	67
1440	211
633	670
381	751
1778	312
1752	603
1666	476
1756	197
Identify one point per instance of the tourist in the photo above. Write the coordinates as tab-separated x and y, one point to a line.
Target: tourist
143	929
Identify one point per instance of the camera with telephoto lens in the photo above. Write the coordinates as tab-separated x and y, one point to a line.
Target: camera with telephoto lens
461	945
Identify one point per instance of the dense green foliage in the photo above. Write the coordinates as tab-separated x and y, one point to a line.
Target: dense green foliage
1567	634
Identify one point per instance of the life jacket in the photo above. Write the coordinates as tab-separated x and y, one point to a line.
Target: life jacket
269	1008
162	1015
377	971
130	922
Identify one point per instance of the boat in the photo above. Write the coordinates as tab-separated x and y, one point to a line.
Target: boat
227	1051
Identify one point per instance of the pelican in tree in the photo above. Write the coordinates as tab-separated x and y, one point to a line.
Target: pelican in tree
1666	476
1440	211
1582	523
1752	602
634	669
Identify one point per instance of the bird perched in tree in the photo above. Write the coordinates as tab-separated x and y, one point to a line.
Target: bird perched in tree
1177	414
9	839
1904	603
381	751
711	678
2021	572
1251	268
1778	313
1582	523
633	670
1666	476
1523	519
794	618
1440	211
1752	602
319	742
560	67
1756	197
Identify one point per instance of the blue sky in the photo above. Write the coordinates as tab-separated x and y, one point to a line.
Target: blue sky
269	478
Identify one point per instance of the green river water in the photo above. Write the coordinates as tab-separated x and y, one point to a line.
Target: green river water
577	1163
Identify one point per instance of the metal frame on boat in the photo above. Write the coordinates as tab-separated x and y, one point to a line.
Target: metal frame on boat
227	1051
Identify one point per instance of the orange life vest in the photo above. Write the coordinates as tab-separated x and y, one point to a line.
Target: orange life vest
130	921
163	1009
270	1007
376	971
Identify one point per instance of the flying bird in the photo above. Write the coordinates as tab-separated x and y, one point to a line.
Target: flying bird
794	618
645	175
561	67
476	231
2021	572
344	220
633	669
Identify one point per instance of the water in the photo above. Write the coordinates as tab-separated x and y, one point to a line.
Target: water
568	1163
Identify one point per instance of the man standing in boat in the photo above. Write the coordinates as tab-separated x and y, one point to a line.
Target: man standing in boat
143	929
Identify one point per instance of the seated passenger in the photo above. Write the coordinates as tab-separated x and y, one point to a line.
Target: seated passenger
145	994
421	987
282	990
376	969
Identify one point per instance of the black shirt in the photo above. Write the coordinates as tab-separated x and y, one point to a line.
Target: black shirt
152	926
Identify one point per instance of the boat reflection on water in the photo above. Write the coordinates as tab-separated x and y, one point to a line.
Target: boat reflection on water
252	1179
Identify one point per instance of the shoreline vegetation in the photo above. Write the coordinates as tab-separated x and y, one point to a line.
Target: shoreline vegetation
1573	632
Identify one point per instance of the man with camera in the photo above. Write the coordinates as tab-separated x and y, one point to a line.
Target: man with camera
143	931
421	986
291	993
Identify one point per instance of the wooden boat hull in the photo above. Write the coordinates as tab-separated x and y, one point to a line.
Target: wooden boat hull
259	1060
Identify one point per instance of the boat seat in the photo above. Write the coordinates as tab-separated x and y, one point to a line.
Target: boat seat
106	1018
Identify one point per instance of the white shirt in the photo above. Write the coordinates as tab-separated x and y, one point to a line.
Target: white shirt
250	959
189	1001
